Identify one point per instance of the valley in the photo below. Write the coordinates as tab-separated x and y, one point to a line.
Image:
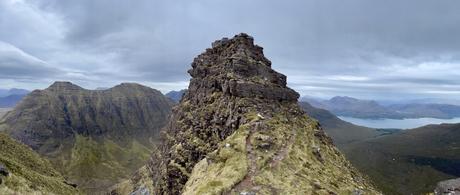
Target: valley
402	162
410	161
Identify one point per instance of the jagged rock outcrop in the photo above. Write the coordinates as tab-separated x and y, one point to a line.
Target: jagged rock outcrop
239	129
450	187
94	137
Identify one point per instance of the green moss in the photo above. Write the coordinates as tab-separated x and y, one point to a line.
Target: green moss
285	153
299	170
30	174
223	169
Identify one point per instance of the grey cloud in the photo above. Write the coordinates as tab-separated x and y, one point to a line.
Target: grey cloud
311	32
155	41
16	64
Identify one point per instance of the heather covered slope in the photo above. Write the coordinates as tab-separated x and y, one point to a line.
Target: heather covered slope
94	137
400	162
412	161
239	129
28	172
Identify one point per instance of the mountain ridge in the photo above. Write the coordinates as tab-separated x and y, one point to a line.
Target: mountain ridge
94	137
371	109
176	96
11	100
239	129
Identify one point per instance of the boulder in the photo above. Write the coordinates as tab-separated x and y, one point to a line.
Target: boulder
3	171
451	187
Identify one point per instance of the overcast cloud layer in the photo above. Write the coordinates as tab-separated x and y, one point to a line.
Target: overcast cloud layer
364	48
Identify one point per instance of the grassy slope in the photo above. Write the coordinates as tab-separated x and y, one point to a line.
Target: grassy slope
30	174
412	161
95	164
230	165
289	165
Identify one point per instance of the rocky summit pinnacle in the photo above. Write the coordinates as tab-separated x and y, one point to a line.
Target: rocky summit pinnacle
238	129
239	68
63	86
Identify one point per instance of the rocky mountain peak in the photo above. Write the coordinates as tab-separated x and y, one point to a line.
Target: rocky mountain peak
63	86
133	89
129	85
239	130
239	68
90	133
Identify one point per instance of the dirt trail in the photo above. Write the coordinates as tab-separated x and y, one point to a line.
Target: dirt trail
247	183
281	154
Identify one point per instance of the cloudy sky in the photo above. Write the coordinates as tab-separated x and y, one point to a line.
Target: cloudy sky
363	48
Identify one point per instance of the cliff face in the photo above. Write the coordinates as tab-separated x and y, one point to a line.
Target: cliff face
239	128
94	137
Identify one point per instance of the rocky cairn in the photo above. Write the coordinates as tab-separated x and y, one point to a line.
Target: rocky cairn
239	129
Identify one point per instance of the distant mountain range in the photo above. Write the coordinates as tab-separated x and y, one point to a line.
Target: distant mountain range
10	97
421	101
10	101
352	107
13	91
176	96
341	132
